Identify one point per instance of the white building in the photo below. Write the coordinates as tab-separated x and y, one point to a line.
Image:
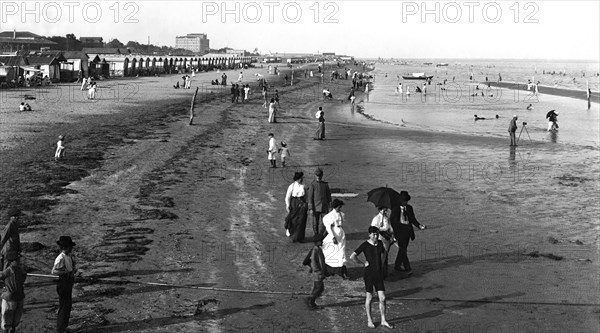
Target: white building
194	42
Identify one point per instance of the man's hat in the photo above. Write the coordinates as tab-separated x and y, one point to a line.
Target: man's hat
404	196
65	241
319	172
336	203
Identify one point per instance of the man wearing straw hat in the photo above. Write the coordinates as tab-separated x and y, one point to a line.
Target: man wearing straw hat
64	267
13	294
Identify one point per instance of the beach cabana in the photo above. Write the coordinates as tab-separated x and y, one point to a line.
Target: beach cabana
80	61
11	67
49	64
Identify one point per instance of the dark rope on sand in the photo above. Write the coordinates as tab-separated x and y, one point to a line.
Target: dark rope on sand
291	293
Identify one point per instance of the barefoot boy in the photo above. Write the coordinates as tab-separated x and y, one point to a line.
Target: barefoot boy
373	274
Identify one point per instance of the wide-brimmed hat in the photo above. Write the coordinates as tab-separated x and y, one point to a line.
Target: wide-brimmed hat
13	212
404	196
60	137
283	143
319	172
298	175
65	241
336	203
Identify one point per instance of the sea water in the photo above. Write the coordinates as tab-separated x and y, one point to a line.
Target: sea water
450	106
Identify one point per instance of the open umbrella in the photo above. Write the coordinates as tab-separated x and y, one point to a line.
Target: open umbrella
550	113
384	197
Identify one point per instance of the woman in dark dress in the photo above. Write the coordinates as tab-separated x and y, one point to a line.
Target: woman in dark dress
297	208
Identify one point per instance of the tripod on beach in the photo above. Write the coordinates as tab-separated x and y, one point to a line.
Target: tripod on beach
526	131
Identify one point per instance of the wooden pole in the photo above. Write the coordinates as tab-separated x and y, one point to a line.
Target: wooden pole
192	107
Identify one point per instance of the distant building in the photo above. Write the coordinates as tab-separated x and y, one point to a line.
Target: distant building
22	40
198	43
240	53
91	41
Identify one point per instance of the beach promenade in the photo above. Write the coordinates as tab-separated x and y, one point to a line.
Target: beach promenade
180	228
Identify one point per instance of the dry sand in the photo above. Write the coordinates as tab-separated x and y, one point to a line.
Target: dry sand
149	199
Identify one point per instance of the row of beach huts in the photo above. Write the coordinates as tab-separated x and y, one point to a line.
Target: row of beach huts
69	66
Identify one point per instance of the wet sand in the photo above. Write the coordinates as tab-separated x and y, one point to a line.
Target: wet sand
150	199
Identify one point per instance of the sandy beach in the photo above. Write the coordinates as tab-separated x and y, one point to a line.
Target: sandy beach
180	228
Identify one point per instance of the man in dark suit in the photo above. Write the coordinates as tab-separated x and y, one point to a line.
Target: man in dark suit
403	218
319	201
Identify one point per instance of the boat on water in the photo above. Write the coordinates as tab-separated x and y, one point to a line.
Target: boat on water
417	76
442	64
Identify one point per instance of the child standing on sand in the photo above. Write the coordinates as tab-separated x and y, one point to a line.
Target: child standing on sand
284	152
60	149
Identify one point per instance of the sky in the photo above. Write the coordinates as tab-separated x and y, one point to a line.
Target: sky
364	29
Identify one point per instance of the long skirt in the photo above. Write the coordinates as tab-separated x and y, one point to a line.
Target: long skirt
320	133
335	254
295	221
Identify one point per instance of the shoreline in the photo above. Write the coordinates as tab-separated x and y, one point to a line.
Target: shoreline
562	92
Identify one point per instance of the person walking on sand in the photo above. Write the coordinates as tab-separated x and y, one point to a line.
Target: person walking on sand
386	234
13	295
272	111
92	90
320	132
60	148
272	151
402	219
10	243
240	77
284	152
64	267
277	97
319	201
373	274
246	93
512	130
295	206
318	270
334	243
233	91
265	96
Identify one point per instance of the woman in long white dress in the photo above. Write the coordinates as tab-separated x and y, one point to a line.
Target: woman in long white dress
272	111
334	244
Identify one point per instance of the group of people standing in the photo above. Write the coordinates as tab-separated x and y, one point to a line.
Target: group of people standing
14	274
239	92
91	86
328	256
